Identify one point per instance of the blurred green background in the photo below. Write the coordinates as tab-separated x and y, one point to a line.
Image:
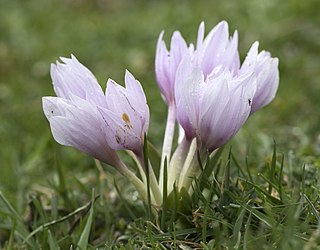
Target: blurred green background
109	36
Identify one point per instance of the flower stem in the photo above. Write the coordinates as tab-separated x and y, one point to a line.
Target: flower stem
185	171
177	161
191	166
167	142
140	168
139	185
153	181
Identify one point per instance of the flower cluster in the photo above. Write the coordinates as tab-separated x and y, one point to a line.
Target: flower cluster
209	93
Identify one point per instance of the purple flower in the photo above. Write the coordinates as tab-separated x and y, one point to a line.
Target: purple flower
212	109
214	53
83	117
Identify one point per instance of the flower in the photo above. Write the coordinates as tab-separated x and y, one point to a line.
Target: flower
216	52
83	117
212	109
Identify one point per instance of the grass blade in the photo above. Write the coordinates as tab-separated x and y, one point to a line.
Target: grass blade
236	237
273	167
165	194
53	244
146	163
84	238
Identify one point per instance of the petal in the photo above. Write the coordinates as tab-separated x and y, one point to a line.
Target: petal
120	133
72	78
251	59
138	100
189	81
231	59
266	70
214	47
268	82
168	62
127	114
162	67
228	111
200	36
178	48
79	128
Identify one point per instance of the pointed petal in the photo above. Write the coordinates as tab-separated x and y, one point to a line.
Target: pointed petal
266	70
200	36
268	82
79	128
120	133
214	47
162	67
189	81
72	78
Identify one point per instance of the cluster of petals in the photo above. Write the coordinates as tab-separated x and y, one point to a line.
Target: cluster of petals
82	116
212	92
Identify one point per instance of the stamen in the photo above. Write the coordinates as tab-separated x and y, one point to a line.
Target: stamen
126	119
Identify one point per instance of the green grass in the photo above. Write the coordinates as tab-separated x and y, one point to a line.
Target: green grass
269	201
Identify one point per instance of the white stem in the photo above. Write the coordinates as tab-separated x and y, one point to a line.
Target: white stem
142	189
187	164
167	142
153	181
176	163
193	169
140	168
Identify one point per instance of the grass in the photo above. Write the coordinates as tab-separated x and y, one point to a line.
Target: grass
264	199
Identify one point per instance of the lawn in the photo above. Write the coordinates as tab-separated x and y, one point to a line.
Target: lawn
44	181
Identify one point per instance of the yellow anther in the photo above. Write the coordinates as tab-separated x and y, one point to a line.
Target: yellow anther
126	119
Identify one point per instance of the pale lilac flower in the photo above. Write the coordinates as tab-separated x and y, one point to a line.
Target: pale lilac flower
218	52
167	62
126	115
212	109
81	116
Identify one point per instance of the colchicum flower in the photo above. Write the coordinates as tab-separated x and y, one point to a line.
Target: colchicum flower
73	115
213	93
81	116
214	52
214	108
207	90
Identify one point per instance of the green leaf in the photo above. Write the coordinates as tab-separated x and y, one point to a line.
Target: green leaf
165	194
84	238
261	216
209	166
146	164
236	237
273	167
155	158
53	244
